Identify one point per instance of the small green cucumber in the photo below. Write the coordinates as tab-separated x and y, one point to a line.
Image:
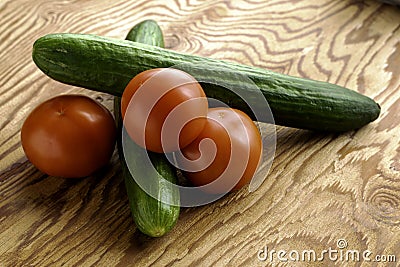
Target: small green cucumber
152	217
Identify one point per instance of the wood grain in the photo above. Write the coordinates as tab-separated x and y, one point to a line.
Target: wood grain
321	187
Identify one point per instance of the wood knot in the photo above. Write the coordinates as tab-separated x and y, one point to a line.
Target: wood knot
172	41
383	204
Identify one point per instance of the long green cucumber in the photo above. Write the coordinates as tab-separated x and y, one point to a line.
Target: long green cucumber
107	65
153	217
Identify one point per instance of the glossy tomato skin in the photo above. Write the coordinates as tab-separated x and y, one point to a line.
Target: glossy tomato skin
69	136
163	109
238	147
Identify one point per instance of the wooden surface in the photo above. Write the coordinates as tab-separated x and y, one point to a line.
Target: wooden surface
321	187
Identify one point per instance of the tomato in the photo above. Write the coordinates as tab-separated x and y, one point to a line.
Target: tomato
163	109
227	152
69	136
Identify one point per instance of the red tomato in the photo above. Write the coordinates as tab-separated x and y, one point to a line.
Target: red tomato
69	136
227	151
163	109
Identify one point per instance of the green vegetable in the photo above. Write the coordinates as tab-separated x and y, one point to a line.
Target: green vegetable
107	65
146	32
153	217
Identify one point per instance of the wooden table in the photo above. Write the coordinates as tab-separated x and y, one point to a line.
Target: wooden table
323	189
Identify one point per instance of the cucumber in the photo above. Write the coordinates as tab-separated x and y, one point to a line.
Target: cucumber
152	217
107	65
392	2
146	32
